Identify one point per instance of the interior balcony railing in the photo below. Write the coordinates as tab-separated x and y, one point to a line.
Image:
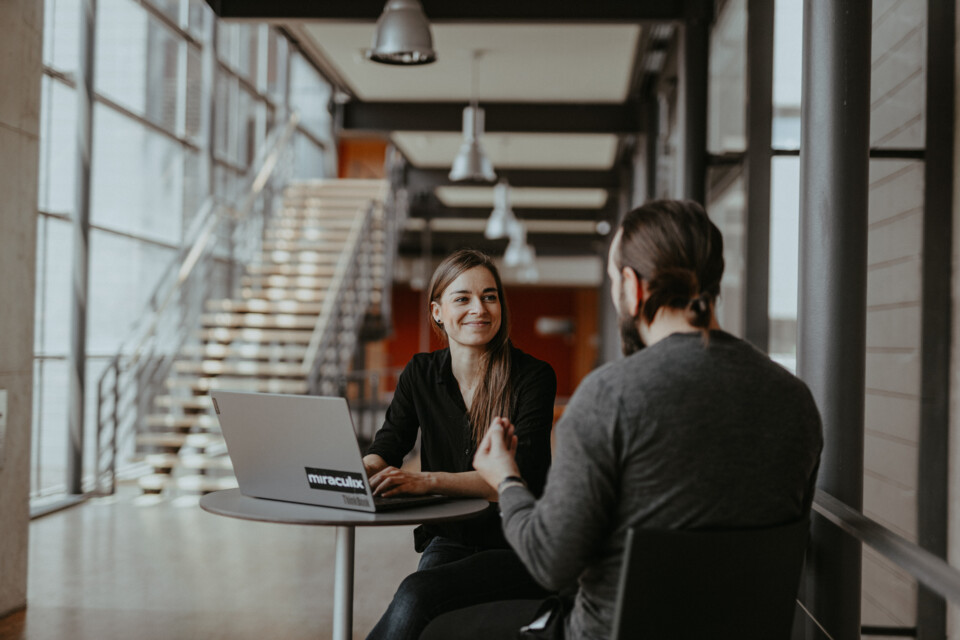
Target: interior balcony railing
225	234
932	572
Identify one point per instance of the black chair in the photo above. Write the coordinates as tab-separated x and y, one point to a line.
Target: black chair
741	584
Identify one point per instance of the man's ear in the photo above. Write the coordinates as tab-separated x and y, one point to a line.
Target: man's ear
635	290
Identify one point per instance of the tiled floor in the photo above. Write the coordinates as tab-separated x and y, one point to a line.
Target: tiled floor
132	567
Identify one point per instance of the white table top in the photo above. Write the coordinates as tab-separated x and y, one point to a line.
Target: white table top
236	505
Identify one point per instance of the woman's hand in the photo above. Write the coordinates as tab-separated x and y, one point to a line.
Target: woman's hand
395	482
372	463
496	456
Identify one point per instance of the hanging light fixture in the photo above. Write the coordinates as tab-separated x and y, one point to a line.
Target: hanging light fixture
519	253
403	35
502	220
471	162
521	256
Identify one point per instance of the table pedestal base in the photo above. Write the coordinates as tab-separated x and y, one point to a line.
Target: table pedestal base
343	585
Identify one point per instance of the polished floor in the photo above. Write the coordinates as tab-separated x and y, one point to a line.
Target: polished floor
159	569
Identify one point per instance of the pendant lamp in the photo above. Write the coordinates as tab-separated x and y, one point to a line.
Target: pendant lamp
403	35
519	253
471	162
501	222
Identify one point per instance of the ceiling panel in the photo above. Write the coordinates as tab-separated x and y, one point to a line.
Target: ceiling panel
521	62
524	197
513	150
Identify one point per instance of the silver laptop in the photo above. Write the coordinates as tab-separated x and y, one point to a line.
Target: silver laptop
299	449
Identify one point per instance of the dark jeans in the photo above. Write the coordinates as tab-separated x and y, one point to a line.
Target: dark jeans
491	621
451	576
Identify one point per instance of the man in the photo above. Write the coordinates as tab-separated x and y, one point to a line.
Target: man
693	429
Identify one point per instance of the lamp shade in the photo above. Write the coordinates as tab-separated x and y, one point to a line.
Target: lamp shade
471	162
519	253
403	35
501	222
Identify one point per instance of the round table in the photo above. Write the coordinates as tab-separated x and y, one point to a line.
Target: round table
234	504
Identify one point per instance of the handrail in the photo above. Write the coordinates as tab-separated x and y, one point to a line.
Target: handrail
927	568
330	301
135	374
323	373
212	213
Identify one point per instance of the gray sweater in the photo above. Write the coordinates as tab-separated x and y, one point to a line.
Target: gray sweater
676	436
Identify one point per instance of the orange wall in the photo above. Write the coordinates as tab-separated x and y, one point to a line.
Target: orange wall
361	158
569	355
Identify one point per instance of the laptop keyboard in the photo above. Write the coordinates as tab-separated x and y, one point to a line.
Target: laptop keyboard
382	502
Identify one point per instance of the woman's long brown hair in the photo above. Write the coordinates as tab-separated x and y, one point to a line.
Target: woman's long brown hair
492	396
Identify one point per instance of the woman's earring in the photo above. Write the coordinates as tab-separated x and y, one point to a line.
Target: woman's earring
439	324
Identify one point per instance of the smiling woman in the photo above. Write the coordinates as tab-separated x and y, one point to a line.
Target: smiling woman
450	397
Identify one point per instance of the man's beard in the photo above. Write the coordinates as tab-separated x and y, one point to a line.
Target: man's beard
630	340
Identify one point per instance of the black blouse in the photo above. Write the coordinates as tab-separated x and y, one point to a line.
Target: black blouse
428	398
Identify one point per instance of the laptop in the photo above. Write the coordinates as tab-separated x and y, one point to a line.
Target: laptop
299	449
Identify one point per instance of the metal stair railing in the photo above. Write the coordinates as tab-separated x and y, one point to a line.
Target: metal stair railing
337	330
225	234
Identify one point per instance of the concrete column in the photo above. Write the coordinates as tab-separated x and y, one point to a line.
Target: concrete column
831	331
21	68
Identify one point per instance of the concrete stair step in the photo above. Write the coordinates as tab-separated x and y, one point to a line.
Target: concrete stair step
191	403
185	423
275	293
371	186
265	306
300	257
273	269
253	368
245	351
159	482
310	208
200	441
301	223
286	282
166	462
301	235
336	245
258	320
231	383
256	336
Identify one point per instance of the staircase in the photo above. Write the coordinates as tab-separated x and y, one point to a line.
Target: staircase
293	327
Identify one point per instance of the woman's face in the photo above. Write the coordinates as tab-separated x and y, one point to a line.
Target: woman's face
469	308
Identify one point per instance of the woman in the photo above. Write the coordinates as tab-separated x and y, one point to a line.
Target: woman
451	396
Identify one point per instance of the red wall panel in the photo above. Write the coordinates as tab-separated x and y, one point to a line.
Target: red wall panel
526	305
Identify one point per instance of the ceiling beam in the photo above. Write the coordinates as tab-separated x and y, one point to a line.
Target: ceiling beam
435	209
511	117
443	244
497	11
429	179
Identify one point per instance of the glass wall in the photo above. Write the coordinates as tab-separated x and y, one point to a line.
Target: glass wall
896	183
726	142
152	168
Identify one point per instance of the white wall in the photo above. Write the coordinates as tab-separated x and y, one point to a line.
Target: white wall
894	259
953	522
20	68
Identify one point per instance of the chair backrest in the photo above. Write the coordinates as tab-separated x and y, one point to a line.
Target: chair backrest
710	584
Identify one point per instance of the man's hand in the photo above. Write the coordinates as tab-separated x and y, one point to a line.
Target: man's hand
395	482
495	457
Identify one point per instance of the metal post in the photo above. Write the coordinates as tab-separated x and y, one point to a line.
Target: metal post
208	63
834	164
936	321
651	130
81	243
425	267
696	61
343	584
756	313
